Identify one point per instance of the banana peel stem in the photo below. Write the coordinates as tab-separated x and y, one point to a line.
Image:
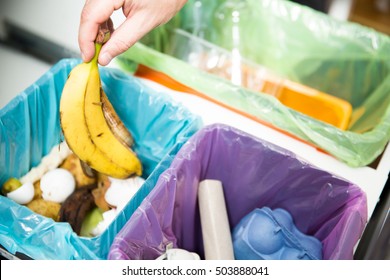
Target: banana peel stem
98	47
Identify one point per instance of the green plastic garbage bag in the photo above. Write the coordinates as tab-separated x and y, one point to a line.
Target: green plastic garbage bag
343	59
30	127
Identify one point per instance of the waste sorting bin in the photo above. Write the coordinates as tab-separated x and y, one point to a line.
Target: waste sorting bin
30	127
342	59
254	174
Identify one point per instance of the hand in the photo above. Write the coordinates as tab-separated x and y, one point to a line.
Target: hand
141	17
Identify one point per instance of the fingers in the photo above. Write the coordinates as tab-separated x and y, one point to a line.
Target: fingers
142	17
94	13
125	36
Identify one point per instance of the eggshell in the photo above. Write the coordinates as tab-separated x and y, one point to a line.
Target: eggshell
122	190
22	195
57	185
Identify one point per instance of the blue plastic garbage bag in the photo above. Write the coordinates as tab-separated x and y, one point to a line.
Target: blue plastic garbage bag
30	127
254	174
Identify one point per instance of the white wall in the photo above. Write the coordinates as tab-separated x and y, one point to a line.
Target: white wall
56	20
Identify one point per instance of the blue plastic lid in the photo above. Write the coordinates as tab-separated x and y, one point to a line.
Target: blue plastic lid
266	234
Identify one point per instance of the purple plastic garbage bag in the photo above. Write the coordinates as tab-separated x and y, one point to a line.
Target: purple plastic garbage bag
254	174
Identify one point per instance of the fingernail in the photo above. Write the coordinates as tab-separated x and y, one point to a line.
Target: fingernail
83	56
105	59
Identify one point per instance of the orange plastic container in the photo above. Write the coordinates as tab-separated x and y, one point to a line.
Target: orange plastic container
311	102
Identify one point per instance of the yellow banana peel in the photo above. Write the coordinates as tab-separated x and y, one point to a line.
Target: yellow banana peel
86	129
